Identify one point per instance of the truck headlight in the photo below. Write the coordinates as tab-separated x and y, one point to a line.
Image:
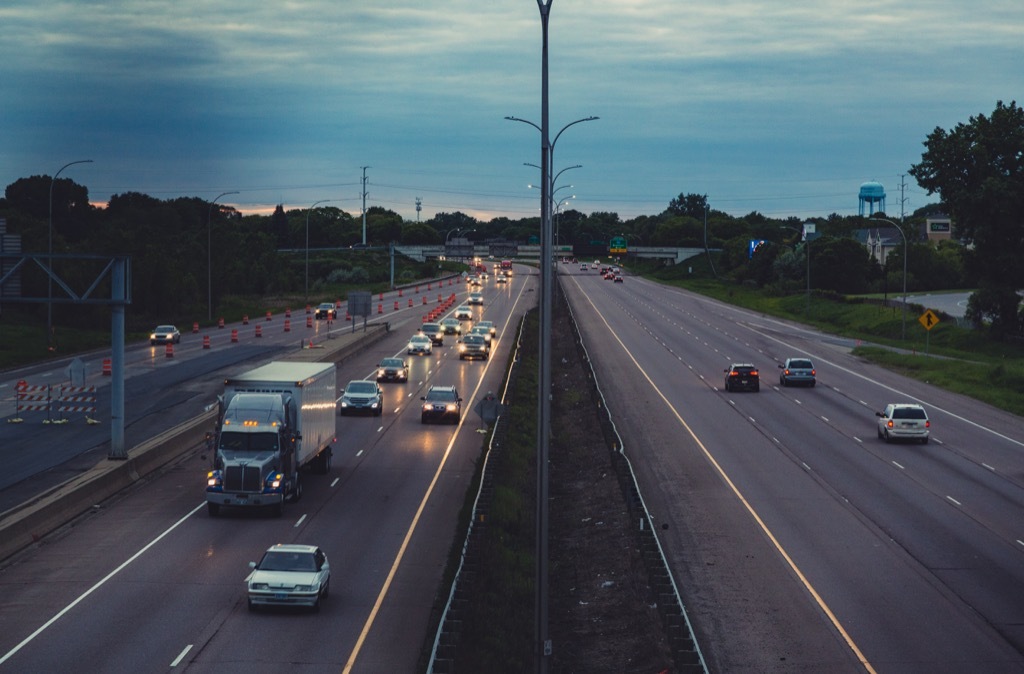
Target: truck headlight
214	480
274	481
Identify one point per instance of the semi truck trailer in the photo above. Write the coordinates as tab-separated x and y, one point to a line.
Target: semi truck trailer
273	422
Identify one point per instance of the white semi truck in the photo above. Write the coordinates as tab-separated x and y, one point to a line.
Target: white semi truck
273	421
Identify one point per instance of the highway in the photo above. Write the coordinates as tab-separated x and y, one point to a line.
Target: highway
800	540
149	582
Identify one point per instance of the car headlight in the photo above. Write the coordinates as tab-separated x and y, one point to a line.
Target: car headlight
427	407
214	479
451	407
258	586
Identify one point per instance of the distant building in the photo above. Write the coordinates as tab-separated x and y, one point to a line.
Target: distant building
938	227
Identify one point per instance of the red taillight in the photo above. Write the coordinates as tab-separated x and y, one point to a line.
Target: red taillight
753	373
889	423
813	373
927	424
785	371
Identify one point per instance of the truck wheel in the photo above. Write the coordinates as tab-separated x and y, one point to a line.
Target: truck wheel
297	490
213	509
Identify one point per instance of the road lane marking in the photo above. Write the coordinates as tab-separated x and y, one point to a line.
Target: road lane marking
299	522
818	599
386	587
99	584
181	655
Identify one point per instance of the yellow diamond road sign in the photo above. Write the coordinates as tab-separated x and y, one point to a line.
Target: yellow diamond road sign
928	319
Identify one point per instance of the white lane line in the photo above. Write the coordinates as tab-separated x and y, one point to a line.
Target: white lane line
181	656
301	520
953	500
335	481
98	585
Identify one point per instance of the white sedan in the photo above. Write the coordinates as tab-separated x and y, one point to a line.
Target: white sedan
289	575
419	345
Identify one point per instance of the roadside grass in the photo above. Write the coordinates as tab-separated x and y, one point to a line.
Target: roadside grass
958	359
497	624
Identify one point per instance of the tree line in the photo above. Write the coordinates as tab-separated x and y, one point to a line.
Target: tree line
976	168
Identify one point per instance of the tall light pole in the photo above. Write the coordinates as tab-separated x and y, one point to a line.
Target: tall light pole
544	380
322	201
209	257
49	252
906	250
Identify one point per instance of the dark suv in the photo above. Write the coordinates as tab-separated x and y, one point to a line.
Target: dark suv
434	331
442	403
742	377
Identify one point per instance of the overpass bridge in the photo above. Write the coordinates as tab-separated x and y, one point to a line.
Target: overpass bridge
670	254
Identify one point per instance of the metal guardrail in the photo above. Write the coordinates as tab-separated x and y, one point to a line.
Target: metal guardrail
678	628
437	664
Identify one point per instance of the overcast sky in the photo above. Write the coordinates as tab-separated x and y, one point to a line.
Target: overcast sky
784	108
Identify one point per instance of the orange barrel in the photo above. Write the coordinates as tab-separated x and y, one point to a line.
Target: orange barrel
259	330
234	335
287	325
169	351
206	341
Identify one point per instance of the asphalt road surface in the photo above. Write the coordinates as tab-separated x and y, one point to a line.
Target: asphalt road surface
149	582
801	541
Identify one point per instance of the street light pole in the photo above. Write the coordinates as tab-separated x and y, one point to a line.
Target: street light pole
544	379
906	250
49	260
322	201
209	257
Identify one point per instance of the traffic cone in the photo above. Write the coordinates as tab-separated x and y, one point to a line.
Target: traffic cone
259	330
206	341
169	351
234	335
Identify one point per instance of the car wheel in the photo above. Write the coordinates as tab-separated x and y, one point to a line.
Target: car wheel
782	382
297	492
757	388
316	604
886	437
327	589
379	411
879	432
813	383
152	342
924	440
252	606
213	509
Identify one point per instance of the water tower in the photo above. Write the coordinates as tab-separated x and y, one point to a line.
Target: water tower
871	193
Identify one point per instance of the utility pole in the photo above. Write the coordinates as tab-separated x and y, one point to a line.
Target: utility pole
419	207
903	190
364	193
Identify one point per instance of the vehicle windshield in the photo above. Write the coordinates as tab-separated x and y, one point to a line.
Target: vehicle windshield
164	328
249	443
800	365
361	387
473	339
391	362
287	561
441	396
908	413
